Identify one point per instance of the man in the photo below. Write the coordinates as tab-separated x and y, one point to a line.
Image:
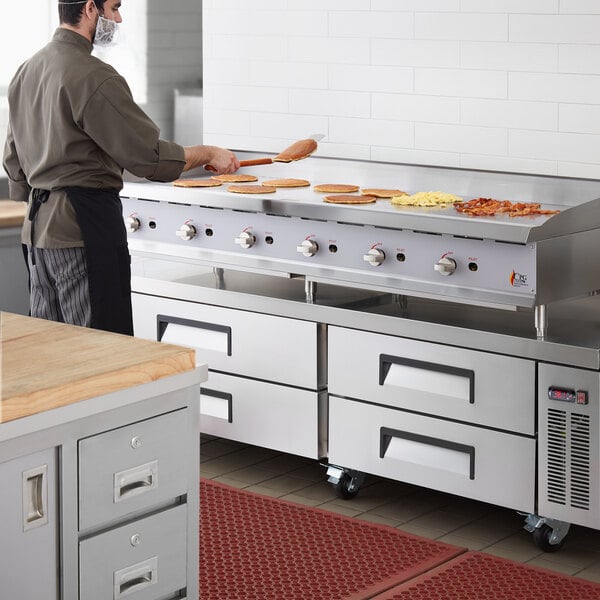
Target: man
73	129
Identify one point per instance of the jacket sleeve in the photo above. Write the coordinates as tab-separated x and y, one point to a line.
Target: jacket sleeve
18	188
123	130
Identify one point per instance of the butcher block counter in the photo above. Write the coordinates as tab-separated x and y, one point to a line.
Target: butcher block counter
47	365
12	213
99	464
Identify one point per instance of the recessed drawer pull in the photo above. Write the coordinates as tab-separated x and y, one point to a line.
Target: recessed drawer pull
35	497
135	578
216	404
427	451
432	378
135	481
194	334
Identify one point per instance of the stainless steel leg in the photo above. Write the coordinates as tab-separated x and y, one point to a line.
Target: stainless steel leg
310	290
541	321
220	277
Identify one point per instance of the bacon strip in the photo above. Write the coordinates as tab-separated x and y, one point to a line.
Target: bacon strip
488	207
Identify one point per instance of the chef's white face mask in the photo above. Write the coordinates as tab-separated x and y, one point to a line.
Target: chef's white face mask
107	31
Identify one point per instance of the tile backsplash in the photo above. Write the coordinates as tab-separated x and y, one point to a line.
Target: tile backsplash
511	85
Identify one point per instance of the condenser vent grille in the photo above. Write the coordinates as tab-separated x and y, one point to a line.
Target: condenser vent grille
557	456
580	461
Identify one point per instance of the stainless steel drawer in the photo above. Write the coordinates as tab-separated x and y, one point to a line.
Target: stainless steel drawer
132	468
145	560
245	343
264	414
461	459
466	385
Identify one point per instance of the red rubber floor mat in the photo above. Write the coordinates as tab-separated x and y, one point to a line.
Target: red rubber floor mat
254	547
478	576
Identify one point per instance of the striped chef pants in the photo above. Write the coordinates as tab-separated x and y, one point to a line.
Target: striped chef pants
59	286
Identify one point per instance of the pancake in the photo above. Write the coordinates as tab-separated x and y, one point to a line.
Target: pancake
382	193
235	178
251	189
287	183
190	183
349	199
336	188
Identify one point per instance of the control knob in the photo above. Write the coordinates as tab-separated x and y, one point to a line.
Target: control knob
445	266
308	248
375	257
132	224
186	232
245	239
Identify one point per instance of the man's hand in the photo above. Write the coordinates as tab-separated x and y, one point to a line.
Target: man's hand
220	160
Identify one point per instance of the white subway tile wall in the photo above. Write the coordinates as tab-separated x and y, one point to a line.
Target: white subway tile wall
510	85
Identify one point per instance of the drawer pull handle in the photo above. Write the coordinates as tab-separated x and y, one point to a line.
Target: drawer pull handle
135	481
427	451
135	578
186	332
35	497
216	404
432	378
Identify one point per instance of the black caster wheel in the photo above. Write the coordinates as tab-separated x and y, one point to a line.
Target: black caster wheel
347	487
541	537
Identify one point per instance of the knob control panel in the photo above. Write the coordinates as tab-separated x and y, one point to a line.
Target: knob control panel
186	232
132	224
308	248
445	266
375	257
245	239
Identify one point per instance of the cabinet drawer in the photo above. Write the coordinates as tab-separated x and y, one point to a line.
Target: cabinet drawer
145	560
460	459
240	342
264	414
132	468
466	385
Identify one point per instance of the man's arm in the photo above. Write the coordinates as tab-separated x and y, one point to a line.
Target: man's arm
18	188
222	161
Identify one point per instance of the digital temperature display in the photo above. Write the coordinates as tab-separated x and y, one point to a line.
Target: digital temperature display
566	395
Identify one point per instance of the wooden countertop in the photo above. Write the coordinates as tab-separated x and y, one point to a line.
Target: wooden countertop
46	365
12	213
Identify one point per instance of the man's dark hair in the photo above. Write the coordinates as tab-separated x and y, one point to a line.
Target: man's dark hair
69	11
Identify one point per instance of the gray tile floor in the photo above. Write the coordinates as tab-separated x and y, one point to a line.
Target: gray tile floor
431	514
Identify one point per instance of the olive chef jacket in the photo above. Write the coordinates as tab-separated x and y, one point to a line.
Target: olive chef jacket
73	123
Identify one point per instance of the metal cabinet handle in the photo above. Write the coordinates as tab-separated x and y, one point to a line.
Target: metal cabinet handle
442	377
35	497
135	481
163	322
220	404
408	446
135	578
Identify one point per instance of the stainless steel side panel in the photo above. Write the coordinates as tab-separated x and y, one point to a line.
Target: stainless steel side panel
569	447
144	560
256	345
264	414
472	462
465	385
131	468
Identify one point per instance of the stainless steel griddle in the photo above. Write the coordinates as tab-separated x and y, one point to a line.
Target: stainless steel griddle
420	344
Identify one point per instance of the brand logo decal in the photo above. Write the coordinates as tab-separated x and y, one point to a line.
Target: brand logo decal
518	279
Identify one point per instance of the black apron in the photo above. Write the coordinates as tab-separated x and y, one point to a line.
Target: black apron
100	216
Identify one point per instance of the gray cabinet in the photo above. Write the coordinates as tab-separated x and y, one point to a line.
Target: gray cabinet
29	527
110	510
14	291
